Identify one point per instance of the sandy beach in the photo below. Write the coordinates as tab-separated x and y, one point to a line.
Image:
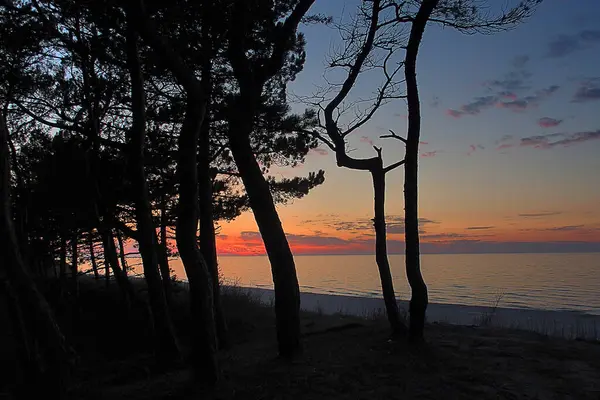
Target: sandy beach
566	324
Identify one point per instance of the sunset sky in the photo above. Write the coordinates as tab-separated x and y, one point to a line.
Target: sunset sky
509	160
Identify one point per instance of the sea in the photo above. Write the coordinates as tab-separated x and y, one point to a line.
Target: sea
554	282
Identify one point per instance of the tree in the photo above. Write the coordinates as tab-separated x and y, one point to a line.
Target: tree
280	56
467	17
368	44
242	114
166	342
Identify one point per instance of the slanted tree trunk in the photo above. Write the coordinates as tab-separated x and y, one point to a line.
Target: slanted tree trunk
285	280
122	252
166	344
381	254
419	298
39	318
93	256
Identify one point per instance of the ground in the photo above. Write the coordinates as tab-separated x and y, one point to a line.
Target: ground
351	358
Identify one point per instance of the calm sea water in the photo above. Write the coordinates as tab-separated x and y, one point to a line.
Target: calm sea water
540	281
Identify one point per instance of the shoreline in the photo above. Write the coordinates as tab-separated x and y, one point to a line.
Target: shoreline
565	324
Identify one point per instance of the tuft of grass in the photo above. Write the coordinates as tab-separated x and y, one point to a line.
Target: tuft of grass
486	318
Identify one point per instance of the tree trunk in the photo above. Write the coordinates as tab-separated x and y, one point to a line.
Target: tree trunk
122	252
419	298
381	254
287	291
201	296
111	261
74	255
207	239
93	256
163	261
166	344
36	311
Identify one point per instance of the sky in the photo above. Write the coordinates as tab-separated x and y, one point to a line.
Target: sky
509	153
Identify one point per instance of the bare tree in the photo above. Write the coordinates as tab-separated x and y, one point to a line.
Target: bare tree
368	45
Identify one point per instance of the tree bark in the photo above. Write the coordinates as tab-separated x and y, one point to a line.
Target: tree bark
39	317
287	291
419	298
381	254
93	256
166	344
122	252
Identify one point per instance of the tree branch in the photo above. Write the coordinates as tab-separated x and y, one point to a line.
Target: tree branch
393	135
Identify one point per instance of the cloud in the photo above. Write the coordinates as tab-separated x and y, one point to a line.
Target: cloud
559	139
394	224
588	91
479	228
540	214
473	148
564	45
473	108
430	153
444	236
508	95
527	102
547	122
443	243
565	228
504	139
319	151
512	81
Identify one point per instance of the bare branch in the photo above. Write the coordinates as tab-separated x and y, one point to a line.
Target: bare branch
393	135
393	166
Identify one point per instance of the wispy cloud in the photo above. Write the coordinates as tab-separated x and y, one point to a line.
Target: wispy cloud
474	147
394	224
473	108
430	153
527	102
512	81
559	139
589	90
564	45
565	228
548	122
320	151
540	214
479	228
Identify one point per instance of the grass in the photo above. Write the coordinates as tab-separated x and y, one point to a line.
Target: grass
345	357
